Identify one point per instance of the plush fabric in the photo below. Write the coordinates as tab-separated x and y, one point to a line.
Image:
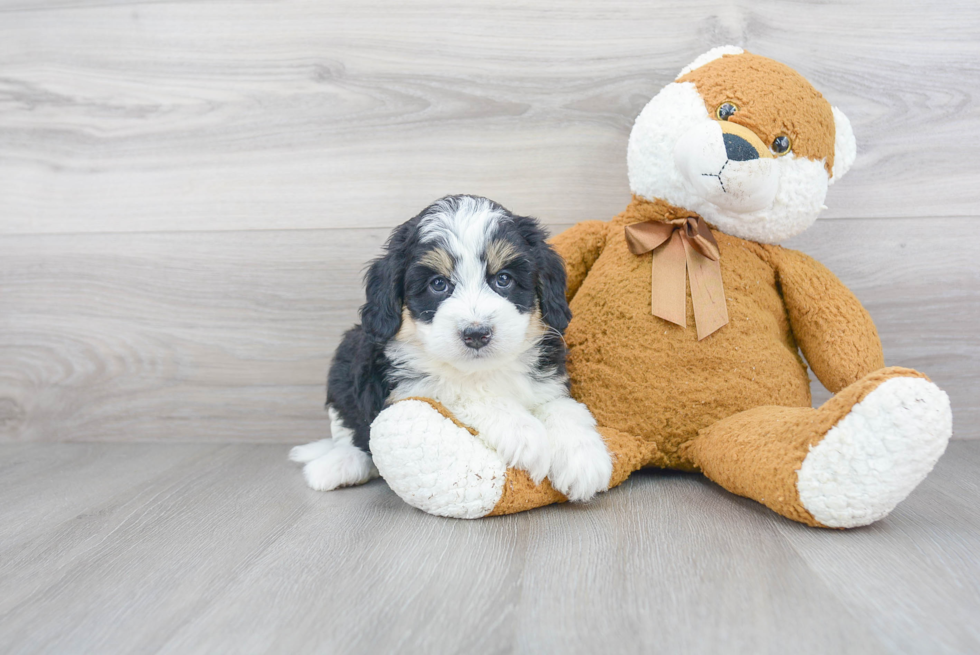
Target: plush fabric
668	384
772	100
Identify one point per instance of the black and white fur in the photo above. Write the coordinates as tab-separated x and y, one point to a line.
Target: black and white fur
467	306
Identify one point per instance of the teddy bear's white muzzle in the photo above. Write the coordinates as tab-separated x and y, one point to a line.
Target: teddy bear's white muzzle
725	169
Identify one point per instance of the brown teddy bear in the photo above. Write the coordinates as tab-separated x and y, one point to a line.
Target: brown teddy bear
689	324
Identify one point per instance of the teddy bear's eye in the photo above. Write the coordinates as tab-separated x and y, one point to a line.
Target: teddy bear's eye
781	145
725	111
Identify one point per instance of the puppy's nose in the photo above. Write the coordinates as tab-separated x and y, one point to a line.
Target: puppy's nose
476	336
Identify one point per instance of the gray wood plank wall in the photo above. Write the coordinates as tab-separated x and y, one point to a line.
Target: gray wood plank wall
188	191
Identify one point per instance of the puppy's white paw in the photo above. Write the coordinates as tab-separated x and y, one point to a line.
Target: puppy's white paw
310	451
581	465
522	442
343	465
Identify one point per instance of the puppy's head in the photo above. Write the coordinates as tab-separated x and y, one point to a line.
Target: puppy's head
469	283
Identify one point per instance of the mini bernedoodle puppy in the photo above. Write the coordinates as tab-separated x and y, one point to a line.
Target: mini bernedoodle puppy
466	306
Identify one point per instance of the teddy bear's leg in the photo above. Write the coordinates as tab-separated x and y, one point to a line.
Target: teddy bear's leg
846	464
438	465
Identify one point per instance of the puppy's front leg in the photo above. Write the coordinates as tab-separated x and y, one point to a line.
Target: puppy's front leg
506	426
580	462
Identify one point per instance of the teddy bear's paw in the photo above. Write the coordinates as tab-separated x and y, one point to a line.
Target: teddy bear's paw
581	465
435	465
877	454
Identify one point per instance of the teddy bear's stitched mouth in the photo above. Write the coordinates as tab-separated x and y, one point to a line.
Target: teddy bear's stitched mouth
718	175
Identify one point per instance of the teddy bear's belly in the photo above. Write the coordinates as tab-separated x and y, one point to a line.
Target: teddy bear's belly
642	375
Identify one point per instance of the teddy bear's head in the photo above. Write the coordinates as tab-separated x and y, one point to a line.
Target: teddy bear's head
744	141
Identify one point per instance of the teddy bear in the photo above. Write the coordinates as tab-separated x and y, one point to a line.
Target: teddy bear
692	330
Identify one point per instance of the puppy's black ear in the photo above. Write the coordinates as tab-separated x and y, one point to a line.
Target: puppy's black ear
381	315
552	281
551	288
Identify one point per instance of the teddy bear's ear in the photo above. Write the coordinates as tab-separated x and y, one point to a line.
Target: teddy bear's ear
845	146
711	55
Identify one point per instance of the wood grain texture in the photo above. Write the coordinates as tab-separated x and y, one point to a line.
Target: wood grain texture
912	568
228	335
195	336
147	116
224	549
189	190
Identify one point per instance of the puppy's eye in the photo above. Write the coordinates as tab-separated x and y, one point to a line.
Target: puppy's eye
439	284
781	145
725	111
503	280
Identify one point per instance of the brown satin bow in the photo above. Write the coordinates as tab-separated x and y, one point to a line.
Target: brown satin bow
679	244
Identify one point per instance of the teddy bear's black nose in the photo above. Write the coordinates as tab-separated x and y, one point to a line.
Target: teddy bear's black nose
738	149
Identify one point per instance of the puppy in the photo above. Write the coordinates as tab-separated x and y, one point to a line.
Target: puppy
466	306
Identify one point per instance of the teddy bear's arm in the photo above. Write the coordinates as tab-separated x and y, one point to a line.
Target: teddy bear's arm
834	331
580	245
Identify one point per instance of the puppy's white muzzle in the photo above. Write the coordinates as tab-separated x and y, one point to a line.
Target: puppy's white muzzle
727	166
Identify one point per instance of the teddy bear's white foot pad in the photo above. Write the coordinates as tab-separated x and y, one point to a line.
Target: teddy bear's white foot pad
874	457
435	465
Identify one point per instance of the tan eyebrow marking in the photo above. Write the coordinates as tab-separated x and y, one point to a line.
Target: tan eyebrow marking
499	253
439	261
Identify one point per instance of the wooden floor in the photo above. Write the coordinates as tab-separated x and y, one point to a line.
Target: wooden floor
198	548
